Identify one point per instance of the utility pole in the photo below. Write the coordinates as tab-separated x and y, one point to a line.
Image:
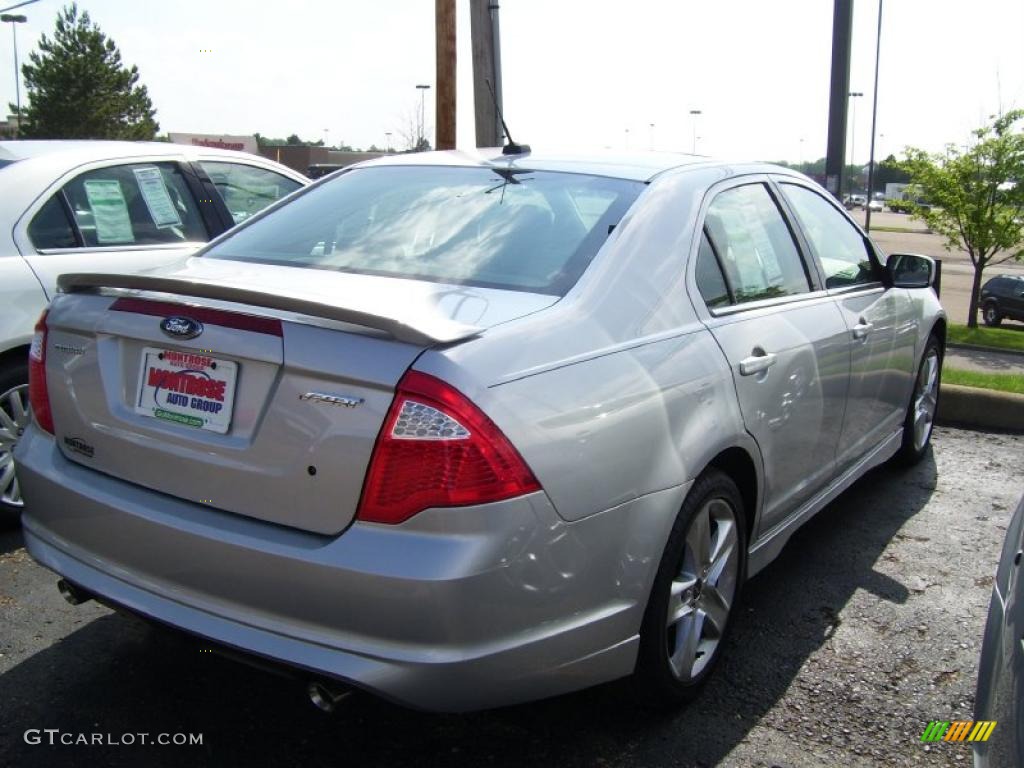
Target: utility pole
484	29
874	122
444	24
842	27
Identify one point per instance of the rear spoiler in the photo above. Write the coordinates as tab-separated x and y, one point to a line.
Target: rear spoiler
429	331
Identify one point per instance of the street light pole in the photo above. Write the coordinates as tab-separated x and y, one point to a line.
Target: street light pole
853	127
422	127
694	113
387	142
14	20
874	121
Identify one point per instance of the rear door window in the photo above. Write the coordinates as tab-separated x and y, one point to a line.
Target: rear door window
246	189
754	245
136	204
710	280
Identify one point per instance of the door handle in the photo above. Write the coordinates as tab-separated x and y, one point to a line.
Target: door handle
862	329
757	363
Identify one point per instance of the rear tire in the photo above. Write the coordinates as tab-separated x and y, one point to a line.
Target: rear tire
694	595
991	315
924	403
14	404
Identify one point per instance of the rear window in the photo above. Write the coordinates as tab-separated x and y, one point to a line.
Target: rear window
500	228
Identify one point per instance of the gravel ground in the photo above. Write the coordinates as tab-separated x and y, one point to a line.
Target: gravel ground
868	626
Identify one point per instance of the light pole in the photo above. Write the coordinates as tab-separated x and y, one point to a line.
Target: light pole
387	142
14	19
652	136
853	127
694	113
423	99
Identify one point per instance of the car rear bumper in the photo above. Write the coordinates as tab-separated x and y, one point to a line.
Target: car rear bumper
456	609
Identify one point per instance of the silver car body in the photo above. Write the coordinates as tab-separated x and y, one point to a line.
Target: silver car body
617	395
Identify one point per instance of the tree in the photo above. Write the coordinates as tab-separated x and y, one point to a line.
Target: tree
976	196
78	87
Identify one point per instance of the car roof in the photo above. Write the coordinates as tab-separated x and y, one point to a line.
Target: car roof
637	166
85	151
35	165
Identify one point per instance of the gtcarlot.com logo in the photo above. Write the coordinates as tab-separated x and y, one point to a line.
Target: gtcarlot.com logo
56	737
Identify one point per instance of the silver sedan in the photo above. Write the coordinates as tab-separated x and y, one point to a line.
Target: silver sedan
468	429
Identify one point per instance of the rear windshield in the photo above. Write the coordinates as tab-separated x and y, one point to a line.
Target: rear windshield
499	228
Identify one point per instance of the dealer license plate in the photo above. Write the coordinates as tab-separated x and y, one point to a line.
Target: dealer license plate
187	388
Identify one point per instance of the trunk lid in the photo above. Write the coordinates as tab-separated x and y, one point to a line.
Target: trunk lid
273	409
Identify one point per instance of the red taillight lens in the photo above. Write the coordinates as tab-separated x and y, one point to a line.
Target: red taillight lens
437	449
38	395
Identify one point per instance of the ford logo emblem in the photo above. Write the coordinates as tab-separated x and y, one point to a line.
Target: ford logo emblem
180	327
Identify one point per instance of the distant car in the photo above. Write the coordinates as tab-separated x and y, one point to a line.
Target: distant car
467	429
876	206
318	170
854	201
1000	693
1001	298
69	206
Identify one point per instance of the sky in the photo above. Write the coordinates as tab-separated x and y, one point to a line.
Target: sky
577	74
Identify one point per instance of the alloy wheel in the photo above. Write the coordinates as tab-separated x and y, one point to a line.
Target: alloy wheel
14	417
990	314
702	593
926	396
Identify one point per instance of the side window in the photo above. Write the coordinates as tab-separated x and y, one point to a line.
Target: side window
710	280
50	227
247	189
838	245
754	244
137	204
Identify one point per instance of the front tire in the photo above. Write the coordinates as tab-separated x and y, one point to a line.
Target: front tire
920	418
14	418
991	315
689	612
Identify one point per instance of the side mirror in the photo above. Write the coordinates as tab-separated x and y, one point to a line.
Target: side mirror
910	270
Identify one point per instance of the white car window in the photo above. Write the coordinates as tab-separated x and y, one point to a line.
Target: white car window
246	189
136	204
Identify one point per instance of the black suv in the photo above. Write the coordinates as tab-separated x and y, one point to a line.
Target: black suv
1002	296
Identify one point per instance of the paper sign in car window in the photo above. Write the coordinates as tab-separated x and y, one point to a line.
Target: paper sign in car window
158	199
109	211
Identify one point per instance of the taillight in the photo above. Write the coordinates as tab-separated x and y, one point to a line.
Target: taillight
38	395
437	449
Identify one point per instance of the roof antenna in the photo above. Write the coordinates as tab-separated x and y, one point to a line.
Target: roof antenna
511	148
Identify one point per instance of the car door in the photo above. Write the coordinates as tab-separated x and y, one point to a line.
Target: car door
114	217
784	338
881	342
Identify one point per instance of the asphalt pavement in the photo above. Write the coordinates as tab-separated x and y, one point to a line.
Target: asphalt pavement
867	627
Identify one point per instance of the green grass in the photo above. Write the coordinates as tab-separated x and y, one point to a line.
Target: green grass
995	338
1003	382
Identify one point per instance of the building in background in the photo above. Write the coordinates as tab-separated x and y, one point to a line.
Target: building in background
301	157
239	143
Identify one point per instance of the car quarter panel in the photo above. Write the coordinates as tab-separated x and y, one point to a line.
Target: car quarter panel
22	299
617	390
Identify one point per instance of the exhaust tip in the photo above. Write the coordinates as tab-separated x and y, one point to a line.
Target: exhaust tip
326	696
74	595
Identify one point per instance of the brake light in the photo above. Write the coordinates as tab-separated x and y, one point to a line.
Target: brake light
437	449
38	395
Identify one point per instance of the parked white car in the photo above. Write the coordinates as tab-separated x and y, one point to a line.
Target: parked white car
73	206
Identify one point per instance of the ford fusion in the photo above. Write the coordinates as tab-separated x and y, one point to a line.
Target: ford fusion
469	429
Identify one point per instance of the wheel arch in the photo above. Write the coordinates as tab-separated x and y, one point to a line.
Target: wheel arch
739	465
